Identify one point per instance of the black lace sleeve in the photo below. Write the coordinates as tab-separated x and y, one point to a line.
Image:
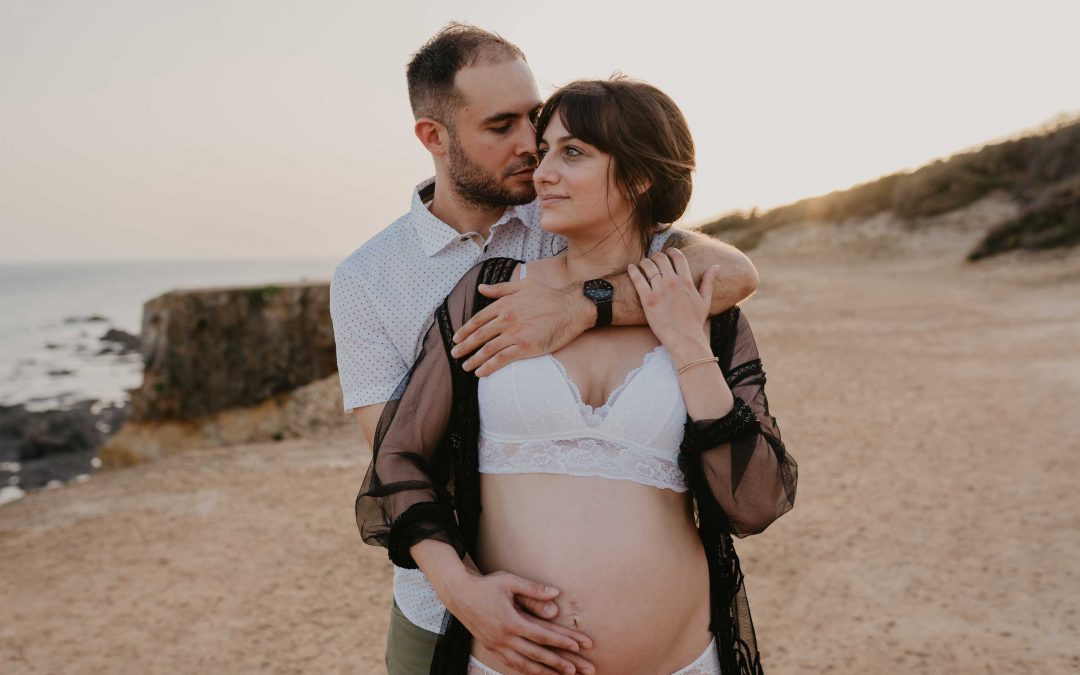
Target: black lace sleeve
738	462
407	494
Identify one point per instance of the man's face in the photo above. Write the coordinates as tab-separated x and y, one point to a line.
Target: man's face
492	149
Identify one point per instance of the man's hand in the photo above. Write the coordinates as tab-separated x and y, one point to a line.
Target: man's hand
527	319
485	605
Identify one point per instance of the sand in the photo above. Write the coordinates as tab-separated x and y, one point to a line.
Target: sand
936	529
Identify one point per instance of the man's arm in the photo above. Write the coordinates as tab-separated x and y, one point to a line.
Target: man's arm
367	418
736	280
529	319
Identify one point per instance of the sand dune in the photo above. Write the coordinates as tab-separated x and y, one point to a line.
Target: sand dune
936	528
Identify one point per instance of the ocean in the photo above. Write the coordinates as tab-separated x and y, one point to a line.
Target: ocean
53	315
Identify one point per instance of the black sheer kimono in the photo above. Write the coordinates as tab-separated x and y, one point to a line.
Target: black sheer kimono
424	483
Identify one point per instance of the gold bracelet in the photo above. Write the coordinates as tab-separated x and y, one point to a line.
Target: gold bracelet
714	359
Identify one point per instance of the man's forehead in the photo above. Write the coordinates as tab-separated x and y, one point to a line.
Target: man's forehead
494	87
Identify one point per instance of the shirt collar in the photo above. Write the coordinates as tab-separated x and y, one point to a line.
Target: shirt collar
434	234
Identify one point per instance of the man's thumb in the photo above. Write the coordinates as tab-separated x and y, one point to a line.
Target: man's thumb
497	290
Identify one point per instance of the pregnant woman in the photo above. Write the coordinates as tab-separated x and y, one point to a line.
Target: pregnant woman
615	469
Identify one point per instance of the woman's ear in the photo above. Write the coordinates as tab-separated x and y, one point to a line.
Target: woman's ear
640	184
433	134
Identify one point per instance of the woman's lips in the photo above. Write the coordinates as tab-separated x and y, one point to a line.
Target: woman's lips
548	200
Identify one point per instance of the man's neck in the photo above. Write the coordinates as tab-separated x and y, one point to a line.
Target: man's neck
449	207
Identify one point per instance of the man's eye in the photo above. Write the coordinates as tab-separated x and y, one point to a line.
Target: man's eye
501	130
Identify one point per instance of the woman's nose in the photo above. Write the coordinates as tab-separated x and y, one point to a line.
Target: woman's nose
543	172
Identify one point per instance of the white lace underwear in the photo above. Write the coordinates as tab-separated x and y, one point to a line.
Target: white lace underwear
581	457
706	664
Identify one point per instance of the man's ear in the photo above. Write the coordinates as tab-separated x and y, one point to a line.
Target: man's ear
433	135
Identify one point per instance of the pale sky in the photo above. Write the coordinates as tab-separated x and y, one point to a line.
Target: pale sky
146	129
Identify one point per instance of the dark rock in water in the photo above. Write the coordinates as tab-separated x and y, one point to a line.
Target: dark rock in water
125	342
54	444
61	372
93	318
52	345
215	349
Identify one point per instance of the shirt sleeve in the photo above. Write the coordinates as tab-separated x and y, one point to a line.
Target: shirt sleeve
369	365
659	239
403	499
407	494
738	466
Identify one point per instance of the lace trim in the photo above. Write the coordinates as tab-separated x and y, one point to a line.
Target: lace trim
603	410
581	457
706	664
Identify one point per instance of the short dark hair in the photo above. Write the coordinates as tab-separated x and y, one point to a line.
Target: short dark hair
431	71
645	133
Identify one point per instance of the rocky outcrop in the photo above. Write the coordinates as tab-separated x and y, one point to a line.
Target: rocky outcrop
215	349
231	365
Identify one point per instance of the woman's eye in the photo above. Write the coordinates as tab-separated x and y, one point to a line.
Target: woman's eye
571	151
541	153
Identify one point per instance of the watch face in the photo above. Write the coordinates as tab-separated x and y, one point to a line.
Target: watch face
599	290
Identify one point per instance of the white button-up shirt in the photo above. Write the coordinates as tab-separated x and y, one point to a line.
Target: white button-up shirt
382	301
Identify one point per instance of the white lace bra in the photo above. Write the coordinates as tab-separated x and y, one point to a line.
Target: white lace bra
533	420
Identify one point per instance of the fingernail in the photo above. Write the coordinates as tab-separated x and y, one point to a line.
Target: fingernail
550	610
550	589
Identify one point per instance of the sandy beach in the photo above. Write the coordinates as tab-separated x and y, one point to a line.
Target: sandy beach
936	528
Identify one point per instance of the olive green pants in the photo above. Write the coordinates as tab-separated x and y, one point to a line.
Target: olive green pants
409	648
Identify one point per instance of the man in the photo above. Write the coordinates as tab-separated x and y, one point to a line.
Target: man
474	99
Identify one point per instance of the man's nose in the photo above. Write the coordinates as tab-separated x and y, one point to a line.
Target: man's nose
526	141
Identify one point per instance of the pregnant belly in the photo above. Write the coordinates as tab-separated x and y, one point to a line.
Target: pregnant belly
626	558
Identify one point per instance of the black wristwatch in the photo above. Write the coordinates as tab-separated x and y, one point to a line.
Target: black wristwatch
602	293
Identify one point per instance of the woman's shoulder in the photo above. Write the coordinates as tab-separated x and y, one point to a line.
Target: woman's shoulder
465	300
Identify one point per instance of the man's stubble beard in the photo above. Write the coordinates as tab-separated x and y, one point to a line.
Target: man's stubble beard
478	187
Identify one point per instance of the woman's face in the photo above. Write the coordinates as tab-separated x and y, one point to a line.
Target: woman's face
576	186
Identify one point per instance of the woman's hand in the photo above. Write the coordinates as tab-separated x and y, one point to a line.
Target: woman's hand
676	310
486	605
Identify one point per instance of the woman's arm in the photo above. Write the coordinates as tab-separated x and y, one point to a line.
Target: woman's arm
404	506
731	442
739	455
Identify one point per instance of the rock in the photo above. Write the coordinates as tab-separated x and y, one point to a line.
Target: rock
123	342
93	318
39	446
231	365
61	372
311	409
210	350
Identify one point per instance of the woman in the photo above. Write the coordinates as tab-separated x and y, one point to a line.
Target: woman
617	468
